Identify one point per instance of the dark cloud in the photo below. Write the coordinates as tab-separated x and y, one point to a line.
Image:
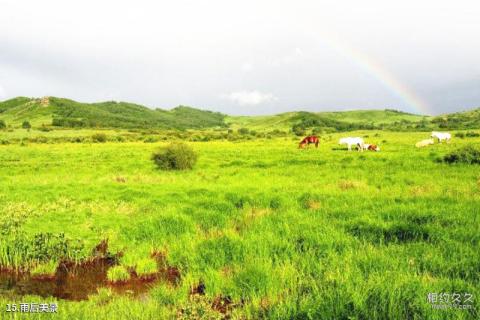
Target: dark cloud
249	57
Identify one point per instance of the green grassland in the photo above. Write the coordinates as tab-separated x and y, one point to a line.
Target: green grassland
286	233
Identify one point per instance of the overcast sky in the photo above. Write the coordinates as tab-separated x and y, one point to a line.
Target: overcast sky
245	57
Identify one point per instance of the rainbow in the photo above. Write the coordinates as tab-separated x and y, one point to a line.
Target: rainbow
378	71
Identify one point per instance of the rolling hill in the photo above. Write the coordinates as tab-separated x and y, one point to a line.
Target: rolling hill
340	120
61	112
68	113
459	120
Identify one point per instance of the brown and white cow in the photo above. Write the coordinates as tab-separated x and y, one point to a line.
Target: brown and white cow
371	147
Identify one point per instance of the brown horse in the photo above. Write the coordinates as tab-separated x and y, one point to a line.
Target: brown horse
308	140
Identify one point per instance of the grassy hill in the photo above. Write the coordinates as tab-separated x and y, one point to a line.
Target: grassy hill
333	121
62	112
459	120
68	113
386	116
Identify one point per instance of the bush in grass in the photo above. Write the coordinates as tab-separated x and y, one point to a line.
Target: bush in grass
99	137
298	130
146	268
118	274
26	125
472	134
468	154
77	139
460	135
176	156
243	131
3	125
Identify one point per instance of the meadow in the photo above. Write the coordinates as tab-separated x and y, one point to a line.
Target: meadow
268	230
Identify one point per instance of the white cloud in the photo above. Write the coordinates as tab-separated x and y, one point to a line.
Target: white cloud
251	98
247	67
3	94
293	56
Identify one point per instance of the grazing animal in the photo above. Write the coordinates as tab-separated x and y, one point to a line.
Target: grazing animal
424	143
309	140
371	147
355	141
441	136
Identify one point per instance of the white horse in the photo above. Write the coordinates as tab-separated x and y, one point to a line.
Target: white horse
352	141
441	136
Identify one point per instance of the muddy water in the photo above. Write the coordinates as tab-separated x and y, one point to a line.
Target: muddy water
76	281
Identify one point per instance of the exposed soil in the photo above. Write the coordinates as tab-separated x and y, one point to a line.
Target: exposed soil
222	304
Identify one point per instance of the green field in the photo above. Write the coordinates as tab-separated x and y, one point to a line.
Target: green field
283	233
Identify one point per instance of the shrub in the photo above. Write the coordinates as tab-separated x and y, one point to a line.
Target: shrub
243	131
176	156
3	125
298	130
118	274
26	125
99	137
460	135
468	154
77	139
472	134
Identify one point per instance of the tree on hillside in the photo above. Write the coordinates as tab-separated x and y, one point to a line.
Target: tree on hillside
26	125
3	125
298	130
243	131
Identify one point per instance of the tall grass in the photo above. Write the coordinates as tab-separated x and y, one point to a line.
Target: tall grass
284	233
